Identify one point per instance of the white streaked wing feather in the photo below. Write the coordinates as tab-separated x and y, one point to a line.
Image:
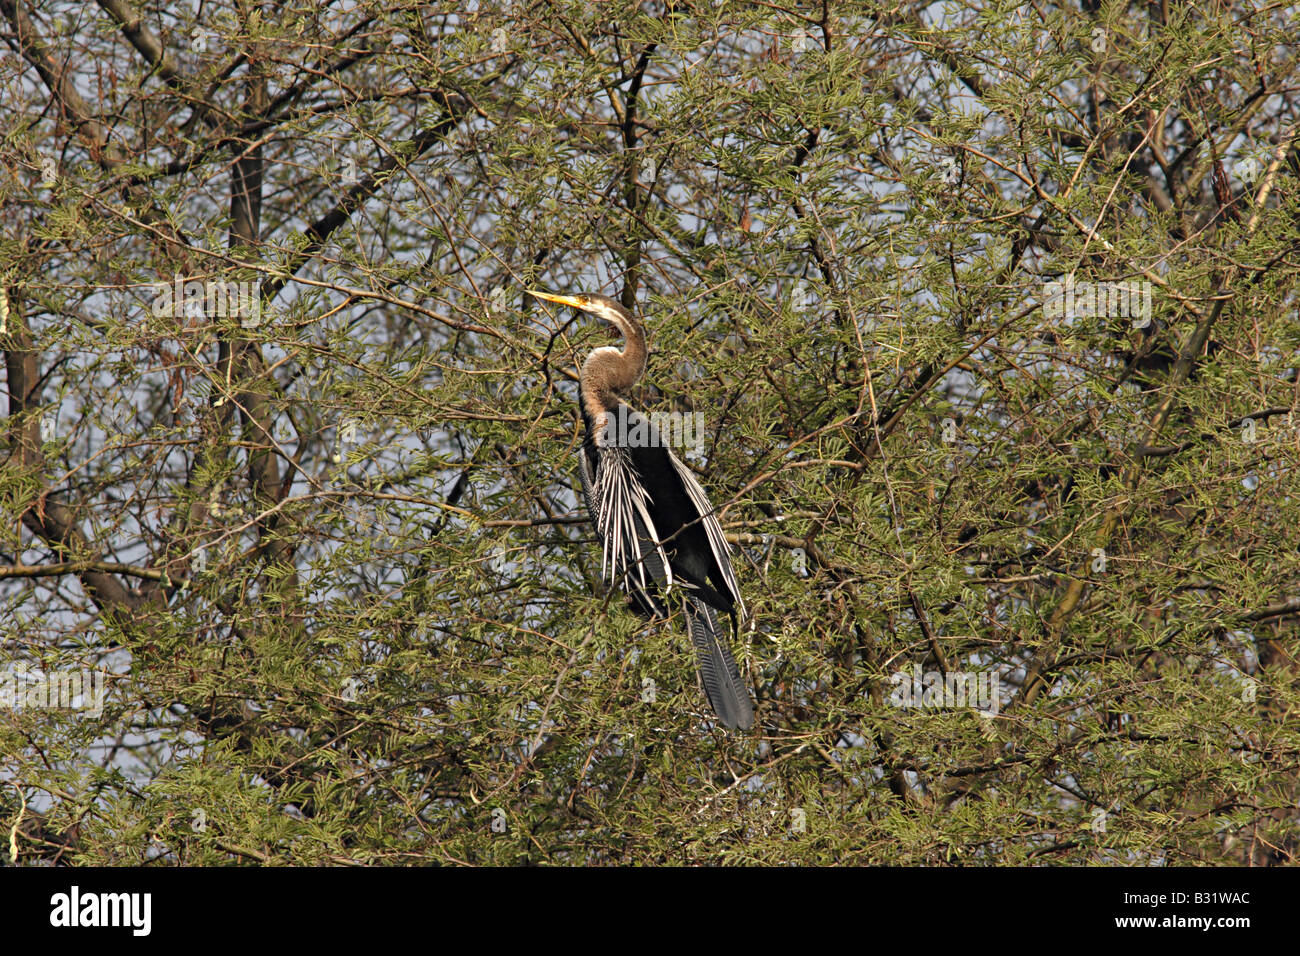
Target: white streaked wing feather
620	501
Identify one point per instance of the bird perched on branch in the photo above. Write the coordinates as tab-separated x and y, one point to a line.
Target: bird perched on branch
661	538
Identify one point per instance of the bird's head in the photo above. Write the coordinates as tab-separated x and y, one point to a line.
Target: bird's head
611	310
607	371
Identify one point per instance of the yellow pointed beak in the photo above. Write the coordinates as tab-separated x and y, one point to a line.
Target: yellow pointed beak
559	299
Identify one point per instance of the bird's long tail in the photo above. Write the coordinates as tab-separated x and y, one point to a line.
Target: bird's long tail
718	672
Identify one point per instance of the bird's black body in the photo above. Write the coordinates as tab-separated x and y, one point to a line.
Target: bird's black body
679	528
676	518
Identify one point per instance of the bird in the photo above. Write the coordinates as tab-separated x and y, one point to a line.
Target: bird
661	538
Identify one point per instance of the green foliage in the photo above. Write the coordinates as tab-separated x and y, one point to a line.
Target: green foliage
332	562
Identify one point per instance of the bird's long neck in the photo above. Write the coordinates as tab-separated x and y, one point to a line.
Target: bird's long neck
608	371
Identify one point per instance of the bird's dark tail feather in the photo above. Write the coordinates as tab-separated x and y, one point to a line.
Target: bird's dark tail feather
718	672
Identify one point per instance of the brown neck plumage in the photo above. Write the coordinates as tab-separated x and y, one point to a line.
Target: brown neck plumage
609	371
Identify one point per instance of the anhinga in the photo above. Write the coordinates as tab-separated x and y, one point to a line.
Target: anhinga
660	535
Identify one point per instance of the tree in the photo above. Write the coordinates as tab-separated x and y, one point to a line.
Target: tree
991	318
